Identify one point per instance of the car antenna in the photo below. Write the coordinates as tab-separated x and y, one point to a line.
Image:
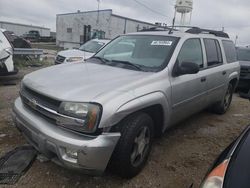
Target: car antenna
172	28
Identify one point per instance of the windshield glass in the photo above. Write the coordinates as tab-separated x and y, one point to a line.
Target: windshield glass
243	54
149	53
91	46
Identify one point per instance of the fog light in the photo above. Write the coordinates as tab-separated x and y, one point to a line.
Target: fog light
71	153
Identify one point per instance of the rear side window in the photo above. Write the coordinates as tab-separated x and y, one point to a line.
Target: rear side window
191	51
230	51
213	52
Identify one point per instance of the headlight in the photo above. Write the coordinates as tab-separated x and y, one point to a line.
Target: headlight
82	117
73	59
216	177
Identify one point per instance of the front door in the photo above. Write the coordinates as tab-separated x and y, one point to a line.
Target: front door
189	91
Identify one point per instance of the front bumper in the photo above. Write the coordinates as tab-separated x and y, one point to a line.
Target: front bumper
93	152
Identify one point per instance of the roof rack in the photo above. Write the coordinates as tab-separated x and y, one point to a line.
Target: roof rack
197	30
156	29
191	29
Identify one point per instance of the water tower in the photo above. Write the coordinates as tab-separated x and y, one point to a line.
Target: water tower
185	8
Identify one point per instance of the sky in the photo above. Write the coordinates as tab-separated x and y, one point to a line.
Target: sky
233	15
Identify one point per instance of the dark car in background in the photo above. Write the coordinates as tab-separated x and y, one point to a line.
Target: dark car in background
243	54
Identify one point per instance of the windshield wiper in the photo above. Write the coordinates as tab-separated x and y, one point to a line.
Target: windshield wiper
128	63
103	60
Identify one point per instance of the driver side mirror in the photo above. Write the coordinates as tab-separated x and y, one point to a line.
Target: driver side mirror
185	68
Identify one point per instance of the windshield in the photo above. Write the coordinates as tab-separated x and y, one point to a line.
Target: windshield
243	54
149	53
91	46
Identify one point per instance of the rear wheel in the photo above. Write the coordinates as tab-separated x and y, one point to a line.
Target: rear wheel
134	146
222	106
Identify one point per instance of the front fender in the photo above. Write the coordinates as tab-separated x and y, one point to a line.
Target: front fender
142	102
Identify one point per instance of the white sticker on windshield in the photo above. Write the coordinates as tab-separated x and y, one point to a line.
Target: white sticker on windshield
161	43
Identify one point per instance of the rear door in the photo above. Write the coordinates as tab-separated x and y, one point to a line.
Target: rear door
189	91
217	73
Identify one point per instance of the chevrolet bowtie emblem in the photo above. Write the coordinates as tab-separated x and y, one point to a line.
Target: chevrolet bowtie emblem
33	103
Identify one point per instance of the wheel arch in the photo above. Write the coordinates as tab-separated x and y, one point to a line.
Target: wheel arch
154	104
234	82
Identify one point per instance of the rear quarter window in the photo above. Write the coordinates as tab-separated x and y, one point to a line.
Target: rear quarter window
230	51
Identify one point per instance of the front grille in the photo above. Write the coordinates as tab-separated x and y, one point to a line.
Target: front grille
60	59
244	71
33	100
28	95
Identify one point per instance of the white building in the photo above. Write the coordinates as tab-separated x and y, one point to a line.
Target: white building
20	29
76	28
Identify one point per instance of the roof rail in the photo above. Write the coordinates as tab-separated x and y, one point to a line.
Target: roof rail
197	30
191	29
156	29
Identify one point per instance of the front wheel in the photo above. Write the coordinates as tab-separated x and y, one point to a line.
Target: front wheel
134	146
222	106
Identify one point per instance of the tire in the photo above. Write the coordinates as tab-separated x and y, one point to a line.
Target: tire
134	146
222	106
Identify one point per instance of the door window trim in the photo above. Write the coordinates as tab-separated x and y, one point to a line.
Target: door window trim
220	50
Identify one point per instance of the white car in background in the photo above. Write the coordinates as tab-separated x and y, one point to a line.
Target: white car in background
6	55
86	51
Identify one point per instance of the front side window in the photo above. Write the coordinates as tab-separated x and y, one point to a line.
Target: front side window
91	46
191	52
213	51
147	53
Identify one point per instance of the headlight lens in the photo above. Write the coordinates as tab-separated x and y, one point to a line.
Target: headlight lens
216	177
213	182
73	59
82	117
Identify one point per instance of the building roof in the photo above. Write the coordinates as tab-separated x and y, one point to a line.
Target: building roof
26	25
105	10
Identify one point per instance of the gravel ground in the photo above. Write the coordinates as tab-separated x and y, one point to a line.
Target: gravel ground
178	159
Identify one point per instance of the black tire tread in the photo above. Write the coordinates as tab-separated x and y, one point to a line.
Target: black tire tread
218	107
120	162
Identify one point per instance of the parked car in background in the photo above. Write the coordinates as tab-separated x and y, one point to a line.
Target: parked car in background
244	59
232	167
6	55
86	51
34	36
16	41
107	110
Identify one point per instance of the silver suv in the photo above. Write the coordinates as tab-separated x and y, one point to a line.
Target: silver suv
108	110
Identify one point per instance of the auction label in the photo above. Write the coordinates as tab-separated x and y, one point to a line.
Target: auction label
161	43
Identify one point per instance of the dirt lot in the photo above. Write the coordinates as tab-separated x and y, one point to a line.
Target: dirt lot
181	157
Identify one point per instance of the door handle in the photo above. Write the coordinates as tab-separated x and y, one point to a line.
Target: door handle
203	79
224	72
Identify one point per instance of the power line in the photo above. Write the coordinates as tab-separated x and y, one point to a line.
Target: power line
147	7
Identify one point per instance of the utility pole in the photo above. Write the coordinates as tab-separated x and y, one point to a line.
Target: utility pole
236	38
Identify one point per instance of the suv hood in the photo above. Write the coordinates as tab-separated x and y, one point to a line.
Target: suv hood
75	53
81	82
